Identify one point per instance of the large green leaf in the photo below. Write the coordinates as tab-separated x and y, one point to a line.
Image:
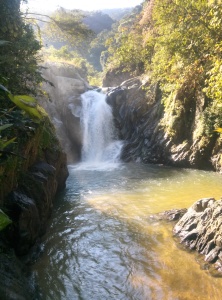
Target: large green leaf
4	220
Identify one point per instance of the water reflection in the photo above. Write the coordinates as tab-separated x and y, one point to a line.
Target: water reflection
102	245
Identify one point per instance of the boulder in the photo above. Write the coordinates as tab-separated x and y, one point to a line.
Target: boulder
13	281
200	229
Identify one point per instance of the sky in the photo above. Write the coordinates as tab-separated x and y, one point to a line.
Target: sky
81	4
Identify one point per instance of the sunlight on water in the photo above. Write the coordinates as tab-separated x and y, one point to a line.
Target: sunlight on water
102	243
102	166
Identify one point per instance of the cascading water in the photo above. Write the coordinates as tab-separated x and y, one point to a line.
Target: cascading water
102	242
100	144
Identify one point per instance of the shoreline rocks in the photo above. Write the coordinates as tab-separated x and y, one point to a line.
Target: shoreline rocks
200	229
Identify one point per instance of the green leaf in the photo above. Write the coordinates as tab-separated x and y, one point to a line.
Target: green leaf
9	142
3	127
28	104
4	220
27	100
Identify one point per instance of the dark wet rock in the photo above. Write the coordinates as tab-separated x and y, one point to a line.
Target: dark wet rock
26	228
156	132
170	215
14	284
27	195
30	205
200	229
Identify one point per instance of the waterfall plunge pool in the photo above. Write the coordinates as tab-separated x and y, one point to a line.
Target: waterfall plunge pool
102	245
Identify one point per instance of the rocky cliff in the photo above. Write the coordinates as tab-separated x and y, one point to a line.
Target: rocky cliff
169	131
30	179
63	105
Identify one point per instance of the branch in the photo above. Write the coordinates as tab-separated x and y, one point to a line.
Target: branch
37	20
42	15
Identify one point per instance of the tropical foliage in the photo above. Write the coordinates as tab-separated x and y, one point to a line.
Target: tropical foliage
187	41
67	27
125	44
178	41
19	58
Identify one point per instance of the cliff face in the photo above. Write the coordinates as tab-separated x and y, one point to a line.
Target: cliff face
170	133
29	182
64	105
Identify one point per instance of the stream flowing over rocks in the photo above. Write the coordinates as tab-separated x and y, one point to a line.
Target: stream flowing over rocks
153	131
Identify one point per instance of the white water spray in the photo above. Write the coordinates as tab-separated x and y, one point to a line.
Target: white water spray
100	144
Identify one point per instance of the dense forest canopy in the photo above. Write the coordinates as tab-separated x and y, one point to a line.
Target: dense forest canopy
178	41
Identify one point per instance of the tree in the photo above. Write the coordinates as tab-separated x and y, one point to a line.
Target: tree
66	27
125	45
188	39
19	69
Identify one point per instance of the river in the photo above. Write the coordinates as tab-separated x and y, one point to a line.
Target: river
102	243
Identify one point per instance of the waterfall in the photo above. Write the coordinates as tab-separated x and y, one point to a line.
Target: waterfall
100	143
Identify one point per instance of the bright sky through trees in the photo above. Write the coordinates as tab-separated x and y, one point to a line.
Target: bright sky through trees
81	4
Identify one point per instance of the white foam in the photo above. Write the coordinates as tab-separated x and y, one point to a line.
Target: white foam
101	149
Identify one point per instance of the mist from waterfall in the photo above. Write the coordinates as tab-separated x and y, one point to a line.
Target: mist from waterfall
101	147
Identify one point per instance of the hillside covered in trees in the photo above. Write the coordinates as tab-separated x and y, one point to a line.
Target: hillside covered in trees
177	45
177	42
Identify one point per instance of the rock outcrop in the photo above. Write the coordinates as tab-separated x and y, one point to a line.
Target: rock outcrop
29	183
64	104
112	78
168	133
169	215
200	229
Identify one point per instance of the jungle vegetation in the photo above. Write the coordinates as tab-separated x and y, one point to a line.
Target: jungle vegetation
178	42
22	121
